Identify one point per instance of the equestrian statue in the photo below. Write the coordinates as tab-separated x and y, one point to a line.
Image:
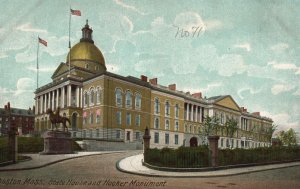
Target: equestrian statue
57	119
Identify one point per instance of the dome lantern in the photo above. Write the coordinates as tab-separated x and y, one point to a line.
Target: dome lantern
87	33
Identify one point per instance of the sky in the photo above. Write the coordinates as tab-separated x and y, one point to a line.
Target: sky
246	49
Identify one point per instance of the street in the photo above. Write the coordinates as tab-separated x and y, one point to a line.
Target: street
99	171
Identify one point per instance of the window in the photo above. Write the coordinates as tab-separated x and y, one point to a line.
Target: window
98	118
128	118
92	97
118	134
156	106
185	129
84	133
222	118
176	111
176	139
85	96
156	123
156	138
138	101
119	118
87	66
222	142
137	135
167	125
91	118
176	126
227	143
191	130
137	120
167	138
167	109
128	99
99	95
199	130
237	143
119	97
84	117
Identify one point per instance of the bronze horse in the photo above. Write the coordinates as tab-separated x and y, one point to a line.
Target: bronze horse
57	119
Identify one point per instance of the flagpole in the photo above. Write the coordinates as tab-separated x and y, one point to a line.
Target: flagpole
70	41
37	64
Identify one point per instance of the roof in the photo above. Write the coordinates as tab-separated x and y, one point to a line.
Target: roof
18	112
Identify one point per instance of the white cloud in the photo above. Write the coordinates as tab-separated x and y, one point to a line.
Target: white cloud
229	64
251	90
285	66
112	68
127	23
211	86
297	93
3	55
129	7
245	46
213	24
189	21
297	72
27	27
24	85
279	47
42	69
282	120
280	88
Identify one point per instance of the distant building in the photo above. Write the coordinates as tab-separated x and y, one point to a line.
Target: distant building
104	105
23	118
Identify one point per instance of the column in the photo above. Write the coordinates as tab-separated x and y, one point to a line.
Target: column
63	97
45	103
192	117
36	105
200	114
81	104
48	101
187	111
42	102
77	96
52	98
69	95
57	97
196	117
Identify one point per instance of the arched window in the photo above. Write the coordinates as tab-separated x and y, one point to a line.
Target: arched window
91	118
87	66
176	125
176	111
118	97
156	106
167	125
128	99
85	98
99	95
138	101
156	123
92	97
167	108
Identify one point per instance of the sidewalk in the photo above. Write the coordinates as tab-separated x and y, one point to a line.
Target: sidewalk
133	165
38	161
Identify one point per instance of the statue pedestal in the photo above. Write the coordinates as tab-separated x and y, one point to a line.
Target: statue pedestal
57	142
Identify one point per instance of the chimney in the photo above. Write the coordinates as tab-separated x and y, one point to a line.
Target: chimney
5	107
197	95
144	78
256	113
153	81
243	109
172	87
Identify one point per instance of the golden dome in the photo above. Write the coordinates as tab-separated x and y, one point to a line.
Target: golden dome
86	51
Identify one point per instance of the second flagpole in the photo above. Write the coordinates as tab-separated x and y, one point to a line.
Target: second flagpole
37	64
70	41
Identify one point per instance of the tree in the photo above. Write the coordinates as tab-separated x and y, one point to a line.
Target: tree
211	126
270	131
231	126
288	137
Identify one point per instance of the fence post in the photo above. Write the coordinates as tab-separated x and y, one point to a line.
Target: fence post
12	136
213	146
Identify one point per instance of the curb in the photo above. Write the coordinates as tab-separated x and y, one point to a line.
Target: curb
57	161
196	176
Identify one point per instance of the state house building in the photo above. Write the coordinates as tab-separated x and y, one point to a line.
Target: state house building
106	106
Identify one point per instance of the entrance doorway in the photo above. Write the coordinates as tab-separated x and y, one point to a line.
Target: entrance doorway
193	142
128	135
74	121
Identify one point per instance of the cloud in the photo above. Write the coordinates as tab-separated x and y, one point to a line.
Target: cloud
229	64
189	21
211	86
127	23
297	93
282	120
42	69
251	90
112	68
27	27
280	47
280	88
3	55
213	24
245	46
129	7
24	85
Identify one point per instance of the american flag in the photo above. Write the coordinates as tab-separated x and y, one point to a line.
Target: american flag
75	12
43	42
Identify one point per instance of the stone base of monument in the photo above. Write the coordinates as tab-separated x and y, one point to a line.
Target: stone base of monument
57	142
